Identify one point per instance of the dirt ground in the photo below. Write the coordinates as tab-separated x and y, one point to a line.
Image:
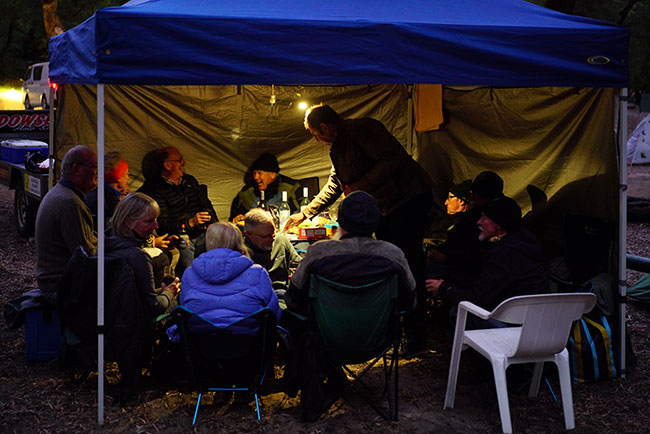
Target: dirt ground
35	396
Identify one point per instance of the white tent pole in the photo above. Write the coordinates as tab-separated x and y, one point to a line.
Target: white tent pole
100	254
622	222
410	89
50	147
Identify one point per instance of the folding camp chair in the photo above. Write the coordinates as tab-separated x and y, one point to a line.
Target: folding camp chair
358	324
221	360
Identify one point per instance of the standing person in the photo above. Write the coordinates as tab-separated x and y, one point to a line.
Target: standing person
181	199
272	251
264	175
366	156
63	221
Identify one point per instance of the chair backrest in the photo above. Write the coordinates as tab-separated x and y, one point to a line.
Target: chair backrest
125	314
243	357
354	321
545	319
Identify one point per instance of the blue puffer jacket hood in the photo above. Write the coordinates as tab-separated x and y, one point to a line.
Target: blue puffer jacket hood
219	266
225	286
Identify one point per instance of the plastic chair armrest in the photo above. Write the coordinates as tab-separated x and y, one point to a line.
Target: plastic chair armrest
476	310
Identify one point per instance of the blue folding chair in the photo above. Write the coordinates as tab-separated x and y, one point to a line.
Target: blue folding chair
222	360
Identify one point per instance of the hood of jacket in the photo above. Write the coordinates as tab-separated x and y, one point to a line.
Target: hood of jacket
219	266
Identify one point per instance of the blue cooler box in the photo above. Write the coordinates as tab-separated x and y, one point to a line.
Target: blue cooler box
13	151
42	336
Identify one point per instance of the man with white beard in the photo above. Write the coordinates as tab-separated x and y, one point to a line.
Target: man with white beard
511	265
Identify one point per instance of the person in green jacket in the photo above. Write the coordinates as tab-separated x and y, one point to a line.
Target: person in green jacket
264	175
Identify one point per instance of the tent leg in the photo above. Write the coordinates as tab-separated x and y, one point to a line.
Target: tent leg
100	253
622	221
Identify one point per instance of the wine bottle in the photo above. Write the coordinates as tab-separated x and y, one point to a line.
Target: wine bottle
284	212
262	203
304	203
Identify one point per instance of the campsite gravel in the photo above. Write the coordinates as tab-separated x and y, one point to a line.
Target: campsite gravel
36	397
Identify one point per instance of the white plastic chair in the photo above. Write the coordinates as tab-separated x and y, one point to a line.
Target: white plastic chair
545	326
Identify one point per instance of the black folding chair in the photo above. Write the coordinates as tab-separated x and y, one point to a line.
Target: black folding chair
223	360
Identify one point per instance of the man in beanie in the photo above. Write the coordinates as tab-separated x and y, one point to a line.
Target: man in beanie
459	257
182	200
511	265
366	156
264	175
354	257
486	187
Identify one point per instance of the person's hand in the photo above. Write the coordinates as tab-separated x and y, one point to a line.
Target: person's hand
162	242
200	218
239	218
173	288
295	220
433	285
436	255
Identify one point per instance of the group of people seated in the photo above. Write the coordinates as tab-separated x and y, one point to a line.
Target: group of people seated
169	233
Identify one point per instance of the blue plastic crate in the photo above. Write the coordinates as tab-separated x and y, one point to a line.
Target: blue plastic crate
42	336
13	151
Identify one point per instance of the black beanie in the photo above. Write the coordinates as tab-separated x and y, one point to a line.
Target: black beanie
504	211
359	213
488	185
266	162
461	190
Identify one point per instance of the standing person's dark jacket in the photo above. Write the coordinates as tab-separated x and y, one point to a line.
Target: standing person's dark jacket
510	267
365	153
179	203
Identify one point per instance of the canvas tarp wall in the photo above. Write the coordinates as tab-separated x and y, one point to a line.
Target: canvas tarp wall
547	137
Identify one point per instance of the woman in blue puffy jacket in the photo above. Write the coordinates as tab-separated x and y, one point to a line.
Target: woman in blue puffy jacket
224	285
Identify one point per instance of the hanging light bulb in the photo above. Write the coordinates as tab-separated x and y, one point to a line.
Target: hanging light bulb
272	99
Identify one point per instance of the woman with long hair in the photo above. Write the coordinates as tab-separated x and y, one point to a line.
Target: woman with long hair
133	222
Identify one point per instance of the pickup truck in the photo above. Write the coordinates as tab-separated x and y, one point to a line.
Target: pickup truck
29	187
